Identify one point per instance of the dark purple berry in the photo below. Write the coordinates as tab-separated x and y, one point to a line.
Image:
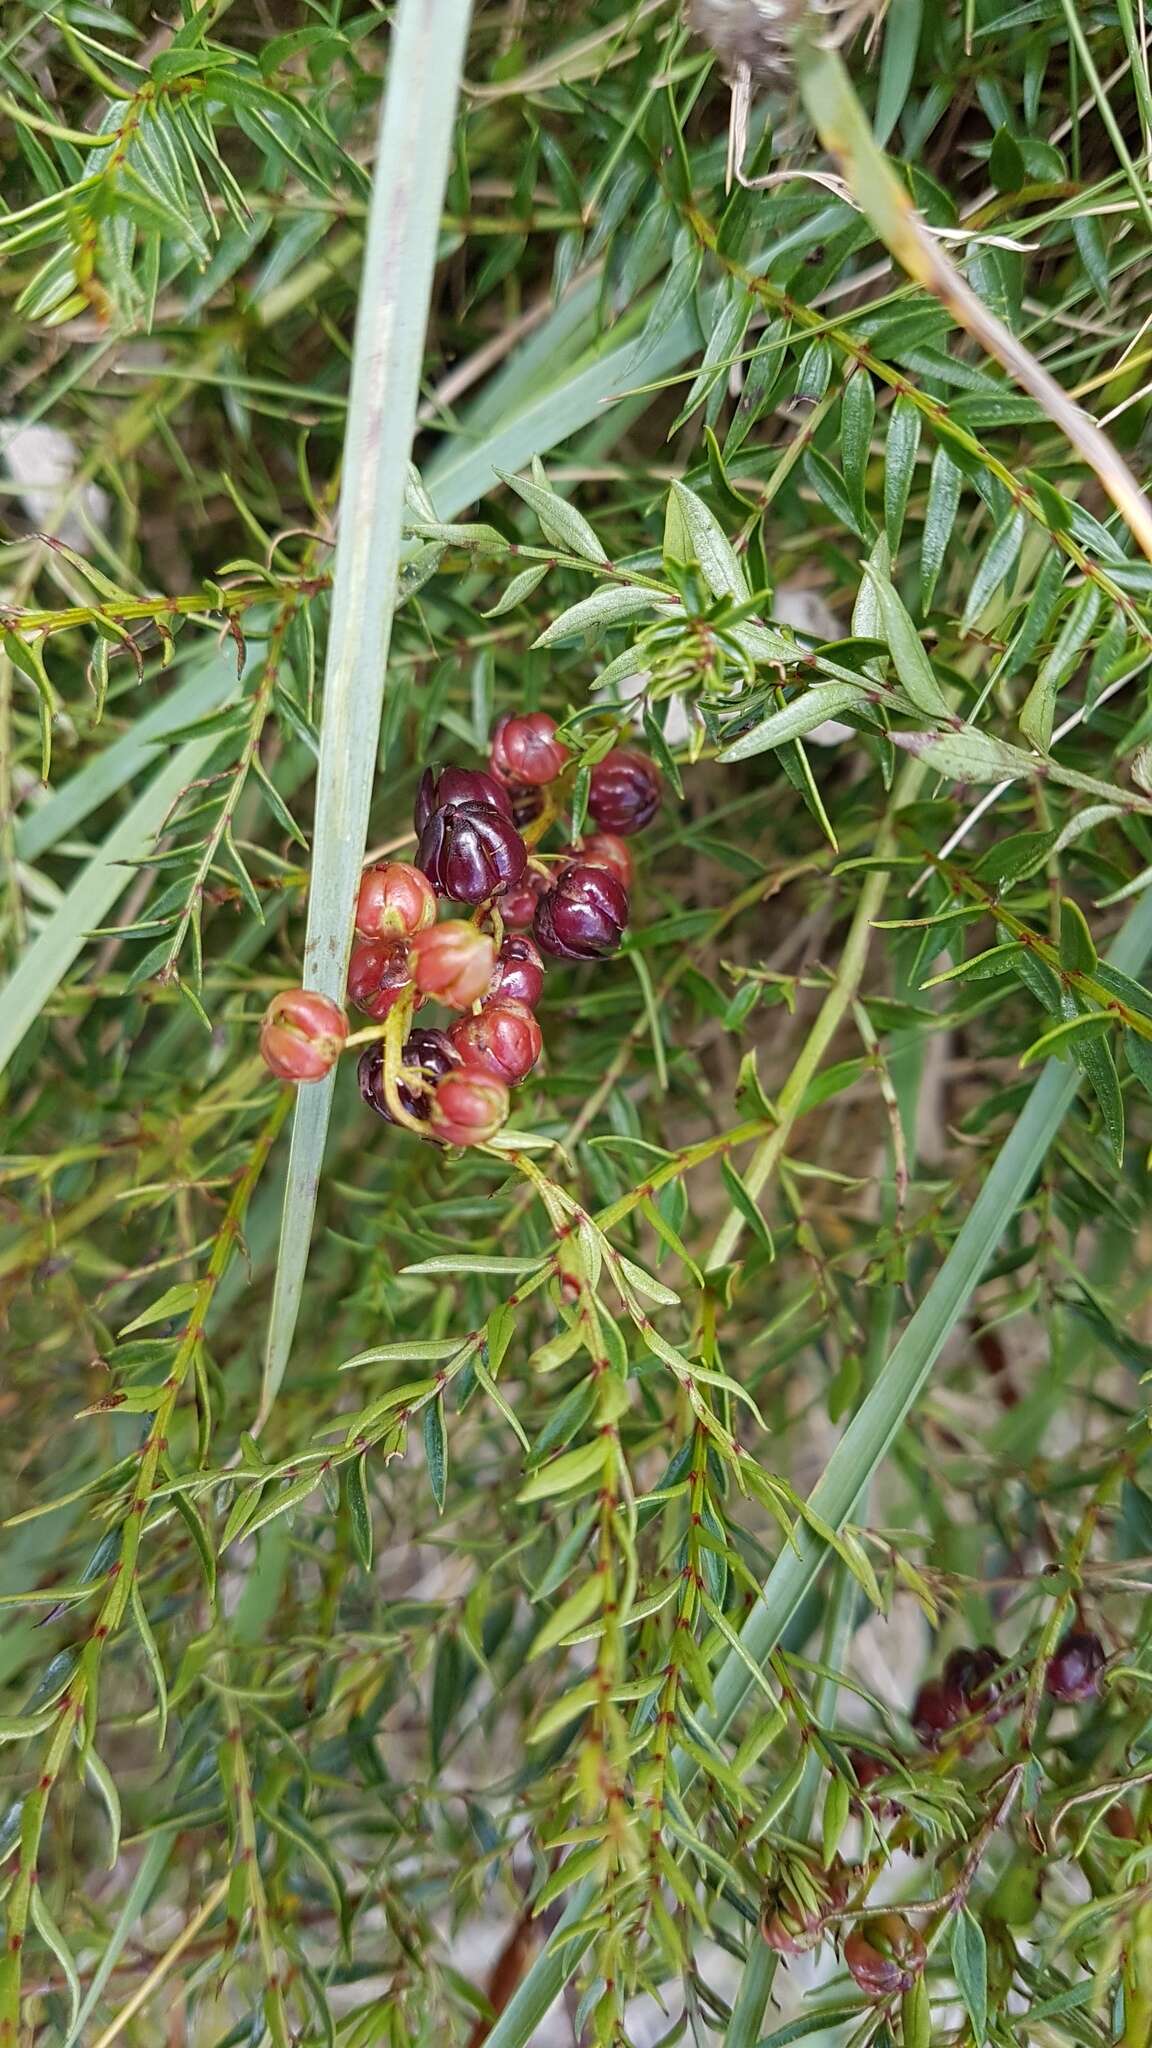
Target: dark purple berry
471	850
1073	1672
625	792
583	915
519	972
443	789
973	1673
937	1709
431	1051
517	905
867	1768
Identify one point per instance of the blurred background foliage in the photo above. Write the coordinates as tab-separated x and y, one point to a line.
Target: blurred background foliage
297	1735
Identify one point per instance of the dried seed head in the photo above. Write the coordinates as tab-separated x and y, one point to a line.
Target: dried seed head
758	33
752	32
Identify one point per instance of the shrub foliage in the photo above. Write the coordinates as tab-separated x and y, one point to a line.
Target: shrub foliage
405	1547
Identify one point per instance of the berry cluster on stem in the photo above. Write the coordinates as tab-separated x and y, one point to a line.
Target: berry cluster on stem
478	835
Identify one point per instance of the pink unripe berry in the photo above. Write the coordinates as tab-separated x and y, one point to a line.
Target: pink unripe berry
395	901
469	1107
503	1039
525	748
379	973
885	1955
302	1035
453	963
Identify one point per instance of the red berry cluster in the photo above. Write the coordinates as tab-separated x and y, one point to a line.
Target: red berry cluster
471	849
974	1687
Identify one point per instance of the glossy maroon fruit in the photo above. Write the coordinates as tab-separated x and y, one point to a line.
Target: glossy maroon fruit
430	1052
471	851
443	789
302	1035
469	1107
583	915
938	1708
517	905
379	973
625	792
453	962
606	850
1074	1669
884	1955
974	1674
519	972
503	1039
395	900
525	748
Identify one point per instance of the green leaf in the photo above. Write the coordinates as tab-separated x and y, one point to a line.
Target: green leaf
359	1509
944	489
803	714
899	466
719	563
912	664
1094	1057
571	1615
1093	255
1077	948
1138	1054
998	564
748	1209
436	1450
155	1663
572	1470
1039	708
560	522
857	417
608	607
519	590
52	1938
897	64
970	1967
173	1303
1052	1043
103	1780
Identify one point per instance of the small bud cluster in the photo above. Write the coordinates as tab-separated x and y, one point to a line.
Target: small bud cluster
471	849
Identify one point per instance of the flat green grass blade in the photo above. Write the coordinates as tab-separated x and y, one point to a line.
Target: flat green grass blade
45	963
419	111
210	680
